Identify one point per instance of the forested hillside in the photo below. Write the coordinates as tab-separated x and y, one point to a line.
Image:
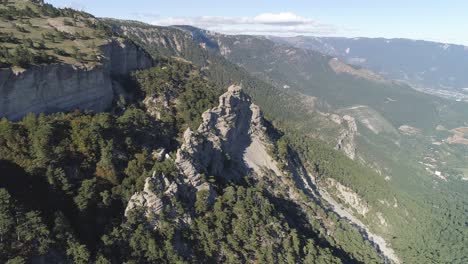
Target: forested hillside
401	59
40	34
178	168
67	177
394	156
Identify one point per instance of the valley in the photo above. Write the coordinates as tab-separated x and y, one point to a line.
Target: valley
125	142
400	59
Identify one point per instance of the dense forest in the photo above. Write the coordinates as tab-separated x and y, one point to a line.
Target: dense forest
427	226
67	177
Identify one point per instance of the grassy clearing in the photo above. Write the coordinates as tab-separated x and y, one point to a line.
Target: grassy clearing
61	35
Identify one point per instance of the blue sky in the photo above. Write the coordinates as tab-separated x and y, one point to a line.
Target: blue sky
444	21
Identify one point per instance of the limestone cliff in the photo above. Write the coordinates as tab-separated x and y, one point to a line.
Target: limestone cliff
346	140
64	87
157	195
231	142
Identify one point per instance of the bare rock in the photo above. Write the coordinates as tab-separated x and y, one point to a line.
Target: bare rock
230	143
63	87
346	140
155	196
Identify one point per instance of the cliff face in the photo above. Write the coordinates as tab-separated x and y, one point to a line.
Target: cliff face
53	88
122	57
346	141
166	41
63	87
230	143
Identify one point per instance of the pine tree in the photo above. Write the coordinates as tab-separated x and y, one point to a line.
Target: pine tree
6	217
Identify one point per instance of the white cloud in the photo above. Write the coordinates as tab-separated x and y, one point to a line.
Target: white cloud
285	23
285	18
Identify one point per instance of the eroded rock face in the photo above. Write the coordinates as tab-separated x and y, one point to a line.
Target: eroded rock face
346	141
156	195
231	142
349	197
63	87
123	56
53	88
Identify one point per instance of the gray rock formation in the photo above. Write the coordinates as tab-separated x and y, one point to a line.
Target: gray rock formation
122	57
346	140
64	87
230	143
156	195
156	105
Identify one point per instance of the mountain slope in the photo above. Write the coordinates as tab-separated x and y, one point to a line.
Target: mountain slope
395	157
92	166
232	145
125	184
60	59
128	185
315	74
173	42
421	63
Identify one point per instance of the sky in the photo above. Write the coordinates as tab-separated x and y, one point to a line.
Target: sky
435	20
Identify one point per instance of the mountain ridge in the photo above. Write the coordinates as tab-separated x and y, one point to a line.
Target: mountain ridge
397	58
217	139
128	184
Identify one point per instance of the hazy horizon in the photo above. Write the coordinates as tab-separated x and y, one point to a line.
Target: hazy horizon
419	20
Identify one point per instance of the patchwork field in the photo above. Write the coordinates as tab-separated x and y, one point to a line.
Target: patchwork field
460	136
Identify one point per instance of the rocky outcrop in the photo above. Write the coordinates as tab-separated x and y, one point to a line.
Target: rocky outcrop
157	196
409	130
231	142
378	242
64	87
123	56
346	140
370	118
348	196
157	105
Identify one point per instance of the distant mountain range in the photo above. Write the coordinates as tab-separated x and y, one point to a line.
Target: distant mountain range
423	64
120	142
